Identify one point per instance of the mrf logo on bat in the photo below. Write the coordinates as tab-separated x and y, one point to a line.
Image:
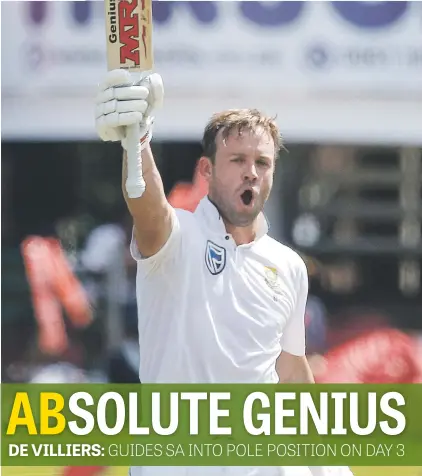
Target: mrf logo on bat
129	34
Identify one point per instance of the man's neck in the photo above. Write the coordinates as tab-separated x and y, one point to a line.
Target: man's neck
243	235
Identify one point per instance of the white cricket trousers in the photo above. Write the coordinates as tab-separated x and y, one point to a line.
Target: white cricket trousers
235	471
219	471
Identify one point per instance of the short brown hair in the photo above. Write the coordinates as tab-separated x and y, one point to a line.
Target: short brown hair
238	119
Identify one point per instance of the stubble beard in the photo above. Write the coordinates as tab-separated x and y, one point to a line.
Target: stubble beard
229	215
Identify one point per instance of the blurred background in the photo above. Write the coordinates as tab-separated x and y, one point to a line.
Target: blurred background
345	82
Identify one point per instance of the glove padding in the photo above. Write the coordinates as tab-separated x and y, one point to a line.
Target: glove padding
121	102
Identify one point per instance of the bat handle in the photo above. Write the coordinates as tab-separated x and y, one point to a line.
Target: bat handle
135	183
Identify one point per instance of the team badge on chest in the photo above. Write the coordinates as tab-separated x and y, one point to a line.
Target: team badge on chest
215	258
272	279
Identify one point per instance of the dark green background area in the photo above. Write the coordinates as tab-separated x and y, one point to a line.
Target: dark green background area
411	438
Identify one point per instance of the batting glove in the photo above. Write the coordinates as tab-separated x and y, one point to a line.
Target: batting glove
121	102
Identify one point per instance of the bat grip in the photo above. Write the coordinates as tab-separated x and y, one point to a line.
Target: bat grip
135	183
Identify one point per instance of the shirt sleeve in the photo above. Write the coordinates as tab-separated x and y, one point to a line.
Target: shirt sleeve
165	256
293	339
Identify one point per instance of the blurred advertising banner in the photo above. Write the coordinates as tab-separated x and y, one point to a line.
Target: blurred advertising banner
305	58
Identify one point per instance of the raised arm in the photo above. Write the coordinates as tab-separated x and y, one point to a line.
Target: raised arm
152	214
121	103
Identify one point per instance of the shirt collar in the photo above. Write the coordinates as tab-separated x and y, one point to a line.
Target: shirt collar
212	218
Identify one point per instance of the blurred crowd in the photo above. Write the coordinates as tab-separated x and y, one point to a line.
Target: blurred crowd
68	294
85	319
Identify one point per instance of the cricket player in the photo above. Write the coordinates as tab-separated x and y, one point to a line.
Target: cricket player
218	299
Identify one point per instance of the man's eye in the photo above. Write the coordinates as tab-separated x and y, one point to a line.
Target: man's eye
263	163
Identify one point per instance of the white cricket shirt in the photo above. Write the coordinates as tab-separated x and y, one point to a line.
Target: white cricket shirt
214	312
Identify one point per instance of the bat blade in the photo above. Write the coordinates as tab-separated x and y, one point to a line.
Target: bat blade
129	35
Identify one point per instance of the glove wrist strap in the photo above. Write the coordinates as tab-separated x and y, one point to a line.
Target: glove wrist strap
146	139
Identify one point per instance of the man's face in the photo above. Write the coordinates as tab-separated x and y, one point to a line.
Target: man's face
241	177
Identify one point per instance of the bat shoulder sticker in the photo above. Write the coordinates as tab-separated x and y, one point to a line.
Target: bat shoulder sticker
129	34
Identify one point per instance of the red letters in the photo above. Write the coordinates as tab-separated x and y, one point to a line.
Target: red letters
128	31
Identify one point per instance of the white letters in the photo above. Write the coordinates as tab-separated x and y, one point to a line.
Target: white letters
216	413
81	413
393	413
264	428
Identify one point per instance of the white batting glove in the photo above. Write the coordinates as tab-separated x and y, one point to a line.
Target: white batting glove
121	102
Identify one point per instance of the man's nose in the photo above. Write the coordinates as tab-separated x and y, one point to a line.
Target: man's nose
250	172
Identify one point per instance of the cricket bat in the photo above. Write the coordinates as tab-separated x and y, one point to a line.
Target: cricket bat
129	46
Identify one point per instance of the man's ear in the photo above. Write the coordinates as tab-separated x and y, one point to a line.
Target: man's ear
205	168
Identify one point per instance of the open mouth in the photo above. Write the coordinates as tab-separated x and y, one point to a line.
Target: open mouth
247	197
